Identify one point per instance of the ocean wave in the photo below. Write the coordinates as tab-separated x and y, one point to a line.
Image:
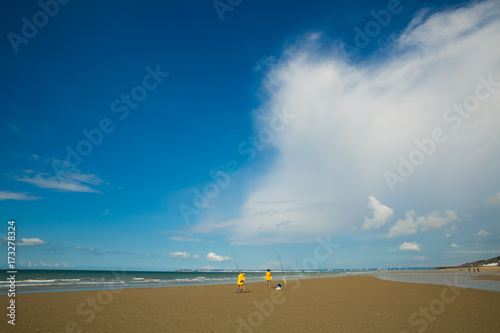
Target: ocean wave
37	281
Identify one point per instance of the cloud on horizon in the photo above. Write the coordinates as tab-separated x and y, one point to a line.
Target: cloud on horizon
183	255
349	124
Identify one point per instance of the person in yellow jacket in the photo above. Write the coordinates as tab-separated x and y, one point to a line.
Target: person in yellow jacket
269	277
241	282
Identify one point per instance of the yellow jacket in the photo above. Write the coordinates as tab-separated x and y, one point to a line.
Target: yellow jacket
241	278
269	277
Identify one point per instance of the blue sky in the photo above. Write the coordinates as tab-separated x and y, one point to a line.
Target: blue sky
160	135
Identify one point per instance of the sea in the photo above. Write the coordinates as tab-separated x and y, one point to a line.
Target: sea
39	280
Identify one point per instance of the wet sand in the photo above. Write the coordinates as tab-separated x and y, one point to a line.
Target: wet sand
490	277
343	304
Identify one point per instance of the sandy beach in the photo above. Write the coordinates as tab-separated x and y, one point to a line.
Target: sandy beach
343	304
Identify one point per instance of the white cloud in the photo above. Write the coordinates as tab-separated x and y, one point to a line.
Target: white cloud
30	242
410	246
493	200
482	233
350	122
7	195
412	223
183	255
215	257
447	235
454	245
381	214
420	258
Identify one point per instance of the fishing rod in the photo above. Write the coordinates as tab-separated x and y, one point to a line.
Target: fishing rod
282	271
238	269
235	262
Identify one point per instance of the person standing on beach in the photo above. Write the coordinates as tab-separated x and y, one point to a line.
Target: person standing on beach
269	277
241	281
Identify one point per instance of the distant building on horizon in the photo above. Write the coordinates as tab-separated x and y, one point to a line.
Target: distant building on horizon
491	264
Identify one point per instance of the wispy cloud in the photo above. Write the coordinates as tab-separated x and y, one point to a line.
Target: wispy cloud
215	257
454	245
66	178
43	264
15	128
69	184
82	248
482	233
476	252
106	212
188	239
155	256
183	255
493	200
7	195
420	258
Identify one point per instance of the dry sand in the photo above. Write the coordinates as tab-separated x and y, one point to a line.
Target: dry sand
343	304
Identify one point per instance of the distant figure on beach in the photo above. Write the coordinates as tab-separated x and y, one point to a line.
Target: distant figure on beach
478	269
474	270
269	277
241	281
469	270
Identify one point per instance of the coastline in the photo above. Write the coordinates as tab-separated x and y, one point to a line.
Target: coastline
349	304
41	281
